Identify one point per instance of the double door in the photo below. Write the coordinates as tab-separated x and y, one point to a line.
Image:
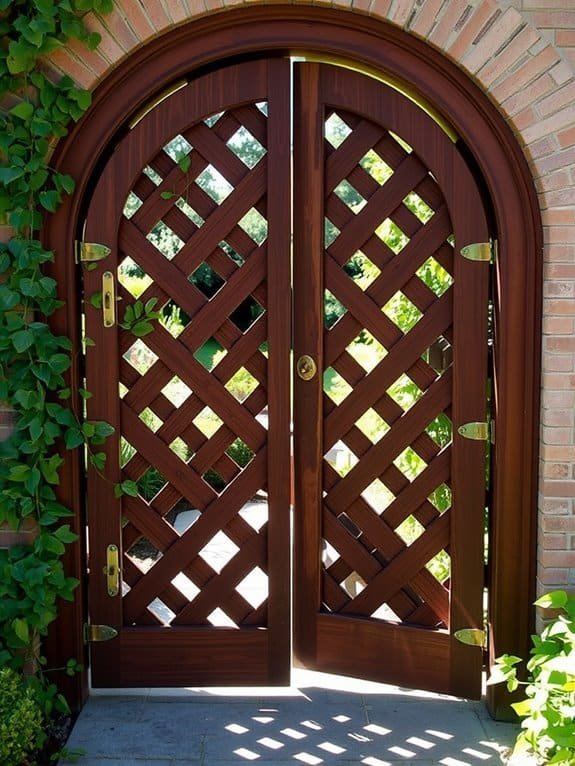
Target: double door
285	327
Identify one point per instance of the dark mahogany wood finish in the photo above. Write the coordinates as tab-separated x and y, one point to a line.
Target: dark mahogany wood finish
517	290
165	633
372	566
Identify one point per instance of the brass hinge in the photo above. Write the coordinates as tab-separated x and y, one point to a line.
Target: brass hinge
91	252
478	431
98	633
472	637
479	251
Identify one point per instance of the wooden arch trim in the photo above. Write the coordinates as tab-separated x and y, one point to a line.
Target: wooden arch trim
489	143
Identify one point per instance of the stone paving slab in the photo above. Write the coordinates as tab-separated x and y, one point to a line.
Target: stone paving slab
327	720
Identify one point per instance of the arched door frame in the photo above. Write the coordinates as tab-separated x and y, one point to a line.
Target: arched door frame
375	45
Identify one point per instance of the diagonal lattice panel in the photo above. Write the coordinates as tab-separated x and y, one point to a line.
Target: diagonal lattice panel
193	389
387	428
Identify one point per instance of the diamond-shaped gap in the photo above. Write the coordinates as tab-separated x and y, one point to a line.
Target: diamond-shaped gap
336	387
210	354
255	512
440	430
440	566
246	147
240	453
184	519
441	498
402	312
254	225
152	175
207	281
212	119
132	204
418	207
150	418
161	610
189	211
144	553
377	168
410	464
242	384
127	451
372	425
263	107
207	421
435	276
174	319
176	391
333	309
150	483
404	392
330	232
404	145
140	357
122	390
254	587
329	555
336	130
363	271
232	253
214	480
165	240
410	530
353	584
181	449
219	619
350	196
178	148
378	496
248	312
341	458
186	587
390	233
366	350
214	184
133	277
385	612
439	356
219	551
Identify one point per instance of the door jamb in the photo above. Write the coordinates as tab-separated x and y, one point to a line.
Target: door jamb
279	29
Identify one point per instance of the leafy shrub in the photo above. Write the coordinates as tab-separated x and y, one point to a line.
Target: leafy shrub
21	720
548	711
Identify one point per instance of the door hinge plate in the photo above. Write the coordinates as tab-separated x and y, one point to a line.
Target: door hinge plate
476	431
98	632
478	251
471	637
91	252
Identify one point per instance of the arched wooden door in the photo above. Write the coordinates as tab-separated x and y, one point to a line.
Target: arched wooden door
197	206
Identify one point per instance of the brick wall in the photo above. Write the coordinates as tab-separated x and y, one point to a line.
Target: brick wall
522	53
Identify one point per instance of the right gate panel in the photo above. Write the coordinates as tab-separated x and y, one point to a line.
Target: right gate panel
389	498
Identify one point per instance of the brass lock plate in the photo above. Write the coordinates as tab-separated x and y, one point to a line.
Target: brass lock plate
108	299
112	570
306	367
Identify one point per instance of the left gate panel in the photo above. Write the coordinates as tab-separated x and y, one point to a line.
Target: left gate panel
193	373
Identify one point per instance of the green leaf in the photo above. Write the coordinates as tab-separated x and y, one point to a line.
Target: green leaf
24	110
73	438
167	195
184	163
50	200
20	627
7	175
555	599
22	340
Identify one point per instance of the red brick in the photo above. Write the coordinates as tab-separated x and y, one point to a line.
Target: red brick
554	542
528	95
565	37
137	18
557	559
556	507
177	9
120	30
521	76
563	307
452	14
560	98
554	20
380	8
501	31
549	577
557	418
566	137
477	21
559	289
70	65
556	470
558	399
108	45
558	523
559	489
558	363
426	17
561	346
401	12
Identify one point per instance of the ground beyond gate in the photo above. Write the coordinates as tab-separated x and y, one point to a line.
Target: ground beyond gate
196	206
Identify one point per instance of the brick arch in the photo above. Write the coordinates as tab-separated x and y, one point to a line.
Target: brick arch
502	52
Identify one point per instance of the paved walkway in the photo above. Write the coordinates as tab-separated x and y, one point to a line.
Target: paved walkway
325	720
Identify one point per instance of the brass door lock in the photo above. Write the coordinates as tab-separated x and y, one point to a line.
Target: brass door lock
306	367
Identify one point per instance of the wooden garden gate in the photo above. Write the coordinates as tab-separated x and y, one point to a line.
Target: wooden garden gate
191	565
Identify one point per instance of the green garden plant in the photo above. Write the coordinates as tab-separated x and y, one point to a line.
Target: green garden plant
21	721
548	710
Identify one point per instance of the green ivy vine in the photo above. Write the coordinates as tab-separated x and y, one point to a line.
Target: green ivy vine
36	111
